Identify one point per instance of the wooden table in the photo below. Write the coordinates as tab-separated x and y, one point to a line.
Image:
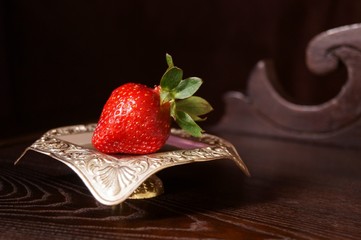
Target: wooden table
296	191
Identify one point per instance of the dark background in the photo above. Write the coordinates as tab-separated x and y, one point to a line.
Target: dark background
61	59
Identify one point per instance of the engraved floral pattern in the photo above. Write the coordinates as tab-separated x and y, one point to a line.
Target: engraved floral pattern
111	179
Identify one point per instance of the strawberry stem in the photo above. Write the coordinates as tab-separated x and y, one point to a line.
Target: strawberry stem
169	60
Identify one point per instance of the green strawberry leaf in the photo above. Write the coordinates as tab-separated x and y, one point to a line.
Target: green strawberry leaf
197	118
173	110
171	78
188	124
187	87
185	108
165	97
194	106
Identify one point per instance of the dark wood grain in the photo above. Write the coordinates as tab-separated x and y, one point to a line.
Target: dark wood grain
296	191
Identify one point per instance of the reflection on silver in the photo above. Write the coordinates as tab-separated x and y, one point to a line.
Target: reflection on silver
114	178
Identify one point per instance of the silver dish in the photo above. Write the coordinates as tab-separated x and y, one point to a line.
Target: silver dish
113	178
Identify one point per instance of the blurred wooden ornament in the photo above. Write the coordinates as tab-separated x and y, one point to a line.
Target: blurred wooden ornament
263	111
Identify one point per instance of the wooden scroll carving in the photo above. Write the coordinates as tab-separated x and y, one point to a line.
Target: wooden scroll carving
265	112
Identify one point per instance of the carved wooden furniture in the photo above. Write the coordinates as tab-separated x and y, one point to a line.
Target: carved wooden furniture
264	111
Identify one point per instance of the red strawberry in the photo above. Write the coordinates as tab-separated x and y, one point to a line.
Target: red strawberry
136	118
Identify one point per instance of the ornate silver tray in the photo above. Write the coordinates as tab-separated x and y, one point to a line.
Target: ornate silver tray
114	178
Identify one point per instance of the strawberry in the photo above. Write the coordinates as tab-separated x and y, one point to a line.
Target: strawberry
136	119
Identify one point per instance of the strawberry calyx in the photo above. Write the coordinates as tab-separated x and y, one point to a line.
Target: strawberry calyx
185	108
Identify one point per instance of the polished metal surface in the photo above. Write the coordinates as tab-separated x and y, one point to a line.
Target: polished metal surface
114	178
